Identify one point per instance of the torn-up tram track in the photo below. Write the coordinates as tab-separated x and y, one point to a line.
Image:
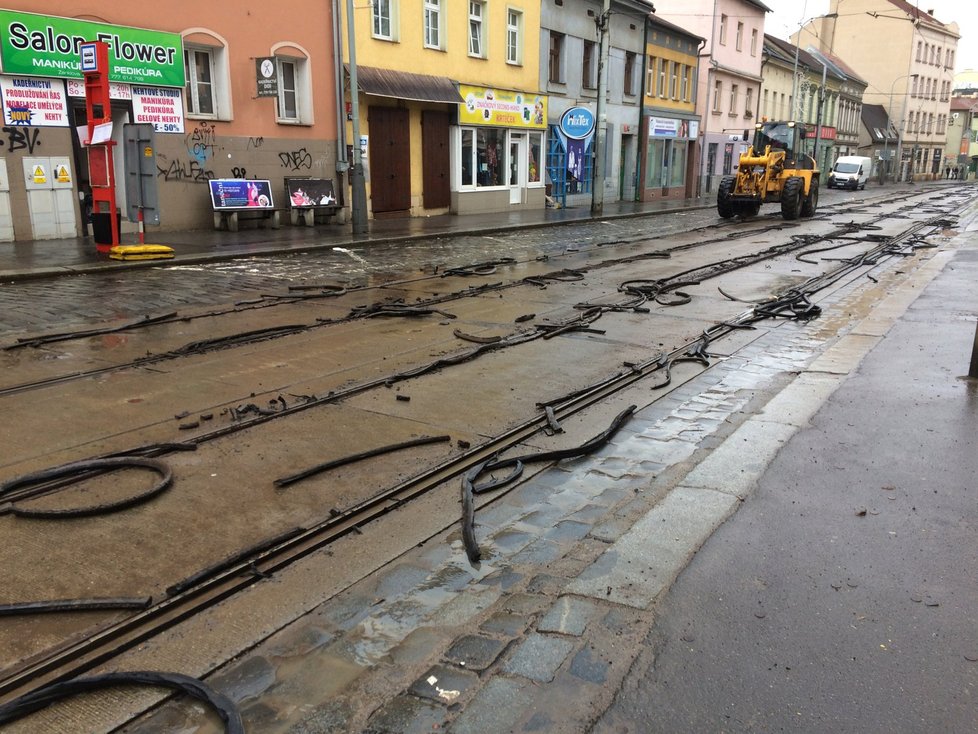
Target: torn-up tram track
269	557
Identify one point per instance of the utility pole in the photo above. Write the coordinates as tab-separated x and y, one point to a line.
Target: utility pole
818	117
358	186
597	178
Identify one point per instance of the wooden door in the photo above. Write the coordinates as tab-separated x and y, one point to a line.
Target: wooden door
390	159
435	159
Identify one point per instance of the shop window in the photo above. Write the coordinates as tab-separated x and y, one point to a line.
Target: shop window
533	160
477	28
433	20
514	36
482	154
384	19
207	90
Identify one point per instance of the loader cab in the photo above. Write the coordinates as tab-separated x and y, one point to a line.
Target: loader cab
786	136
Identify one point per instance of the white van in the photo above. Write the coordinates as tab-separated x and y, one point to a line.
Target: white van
850	172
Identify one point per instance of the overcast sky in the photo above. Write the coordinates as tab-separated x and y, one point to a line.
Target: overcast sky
787	15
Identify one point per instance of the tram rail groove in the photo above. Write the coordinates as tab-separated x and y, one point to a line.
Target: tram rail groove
110	640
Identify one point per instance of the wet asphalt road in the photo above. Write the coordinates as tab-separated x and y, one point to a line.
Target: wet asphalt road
96	297
33	306
842	596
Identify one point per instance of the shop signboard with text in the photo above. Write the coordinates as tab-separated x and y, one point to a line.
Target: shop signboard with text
43	45
35	102
502	108
670	127
160	106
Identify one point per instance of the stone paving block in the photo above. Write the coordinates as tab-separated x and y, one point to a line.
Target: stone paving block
544	516
568	616
505	623
407	715
589	514
418	645
504	578
527	604
400	579
509	540
475	652
465	606
589	667
444	683
567	530
538	553
538	657
495	709
545	583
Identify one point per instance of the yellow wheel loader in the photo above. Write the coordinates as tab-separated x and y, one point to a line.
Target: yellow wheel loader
774	169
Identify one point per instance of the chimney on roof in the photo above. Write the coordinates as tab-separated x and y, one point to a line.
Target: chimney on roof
930	12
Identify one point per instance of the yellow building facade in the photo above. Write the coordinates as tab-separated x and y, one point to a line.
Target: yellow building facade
451	119
670	125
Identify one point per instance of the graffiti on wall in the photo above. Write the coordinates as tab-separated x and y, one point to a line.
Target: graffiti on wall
21	137
182	171
296	160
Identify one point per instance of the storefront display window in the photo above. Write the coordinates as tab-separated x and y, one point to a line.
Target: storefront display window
533	159
467	158
489	156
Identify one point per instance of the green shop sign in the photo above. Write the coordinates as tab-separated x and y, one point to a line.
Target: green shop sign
43	45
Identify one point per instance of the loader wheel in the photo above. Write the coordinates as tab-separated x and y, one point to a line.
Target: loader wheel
791	198
811	201
725	207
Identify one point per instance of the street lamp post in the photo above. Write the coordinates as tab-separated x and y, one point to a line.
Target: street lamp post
794	70
899	129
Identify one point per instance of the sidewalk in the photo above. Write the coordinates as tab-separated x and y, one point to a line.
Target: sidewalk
52	258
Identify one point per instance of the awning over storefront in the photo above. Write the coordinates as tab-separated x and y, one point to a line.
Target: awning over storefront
404	85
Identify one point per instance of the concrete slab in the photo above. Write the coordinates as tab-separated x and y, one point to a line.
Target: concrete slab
845	355
644	561
734	466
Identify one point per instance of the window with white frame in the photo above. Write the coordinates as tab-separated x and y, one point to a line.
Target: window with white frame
660	89
740	36
733	100
723	30
477	28
684	83
208	86
433	19
482	157
749	102
294	103
674	80
288	92
514	36
650	76
198	65
384	19
717	93
753	42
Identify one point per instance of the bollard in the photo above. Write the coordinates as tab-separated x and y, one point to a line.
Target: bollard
973	370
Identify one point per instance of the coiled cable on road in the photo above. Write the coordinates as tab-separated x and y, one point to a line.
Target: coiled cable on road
194	687
83	469
471	488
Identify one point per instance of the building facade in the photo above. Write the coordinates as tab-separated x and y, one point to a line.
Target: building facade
912	80
451	115
729	82
670	124
187	69
961	152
